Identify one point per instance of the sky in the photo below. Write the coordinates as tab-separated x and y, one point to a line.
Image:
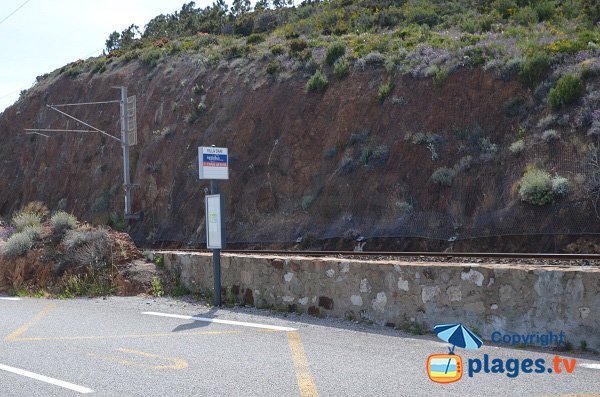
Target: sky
44	35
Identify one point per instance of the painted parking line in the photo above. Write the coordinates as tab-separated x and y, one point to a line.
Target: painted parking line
9	298
46	379
23	328
306	383
219	321
130	336
174	363
590	366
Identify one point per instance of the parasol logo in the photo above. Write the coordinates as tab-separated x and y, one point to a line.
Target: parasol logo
448	368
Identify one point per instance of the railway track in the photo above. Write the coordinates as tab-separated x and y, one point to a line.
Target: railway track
446	255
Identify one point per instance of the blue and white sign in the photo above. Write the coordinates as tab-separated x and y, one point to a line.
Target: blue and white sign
214	162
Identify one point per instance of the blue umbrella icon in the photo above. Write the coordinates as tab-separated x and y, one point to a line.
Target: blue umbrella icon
457	335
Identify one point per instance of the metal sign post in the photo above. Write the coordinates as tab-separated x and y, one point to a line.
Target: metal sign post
214	165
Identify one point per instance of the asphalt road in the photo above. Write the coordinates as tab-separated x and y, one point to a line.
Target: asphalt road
113	347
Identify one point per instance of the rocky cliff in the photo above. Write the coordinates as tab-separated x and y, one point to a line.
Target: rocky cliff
429	159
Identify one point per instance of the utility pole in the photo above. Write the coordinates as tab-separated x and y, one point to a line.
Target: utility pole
125	144
128	138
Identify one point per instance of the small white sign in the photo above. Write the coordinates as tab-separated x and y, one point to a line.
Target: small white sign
213	221
213	162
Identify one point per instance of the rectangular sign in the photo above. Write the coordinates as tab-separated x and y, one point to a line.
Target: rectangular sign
213	162
213	221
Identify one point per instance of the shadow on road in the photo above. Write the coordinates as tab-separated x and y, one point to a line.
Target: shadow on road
196	324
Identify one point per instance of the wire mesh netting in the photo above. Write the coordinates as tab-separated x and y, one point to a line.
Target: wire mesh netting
331	207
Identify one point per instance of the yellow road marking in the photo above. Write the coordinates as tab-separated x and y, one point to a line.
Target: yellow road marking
177	363
306	384
23	328
576	395
100	337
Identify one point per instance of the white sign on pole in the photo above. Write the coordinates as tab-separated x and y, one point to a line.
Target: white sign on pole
213	221
214	162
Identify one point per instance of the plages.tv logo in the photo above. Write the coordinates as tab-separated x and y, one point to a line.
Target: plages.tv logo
448	368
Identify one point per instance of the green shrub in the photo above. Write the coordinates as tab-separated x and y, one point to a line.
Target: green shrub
277	49
440	77
534	69
89	283
560	186
517	146
255	38
536	187
384	90
151	57
297	45
443	176
514	105
550	136
17	245
62	221
234	51
180	290
37	207
307	200
379	155
464	164
157	288
567	91
23	219
504	7
334	51
98	66
317	82
33	232
422	13
273	67
117	222
88	247
526	16
341	68
197	111
545	10
364	156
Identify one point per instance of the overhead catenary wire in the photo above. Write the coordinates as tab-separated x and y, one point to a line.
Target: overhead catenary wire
83	103
14	12
84	123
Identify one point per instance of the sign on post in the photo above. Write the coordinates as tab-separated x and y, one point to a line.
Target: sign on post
214	162
213	221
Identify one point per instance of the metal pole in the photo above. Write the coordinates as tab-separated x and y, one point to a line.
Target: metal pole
214	189
125	144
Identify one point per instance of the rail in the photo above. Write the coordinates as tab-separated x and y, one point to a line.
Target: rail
492	255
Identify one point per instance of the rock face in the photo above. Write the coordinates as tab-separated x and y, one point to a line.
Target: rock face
522	300
340	164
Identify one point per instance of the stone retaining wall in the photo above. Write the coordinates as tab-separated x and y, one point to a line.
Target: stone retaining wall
504	298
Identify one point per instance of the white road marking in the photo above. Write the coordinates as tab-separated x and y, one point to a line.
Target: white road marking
9	298
52	381
218	321
590	366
